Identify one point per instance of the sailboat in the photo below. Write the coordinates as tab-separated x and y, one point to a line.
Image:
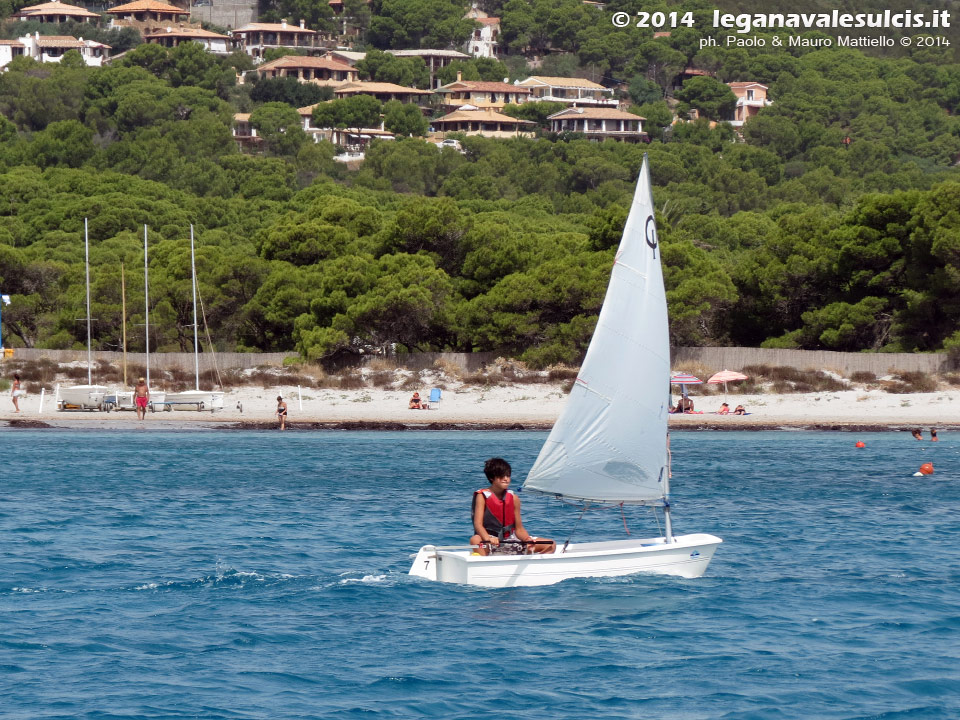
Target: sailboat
200	399
89	396
610	445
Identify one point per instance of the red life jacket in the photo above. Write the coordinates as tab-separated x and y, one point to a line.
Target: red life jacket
498	515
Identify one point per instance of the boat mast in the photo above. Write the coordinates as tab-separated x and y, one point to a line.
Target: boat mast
146	301
123	305
196	353
86	251
668	527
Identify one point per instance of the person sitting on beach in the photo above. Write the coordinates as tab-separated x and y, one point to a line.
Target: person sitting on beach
414	402
724	409
496	517
917	434
685	405
740	410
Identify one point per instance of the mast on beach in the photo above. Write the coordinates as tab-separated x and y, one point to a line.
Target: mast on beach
196	346
86	252
146	301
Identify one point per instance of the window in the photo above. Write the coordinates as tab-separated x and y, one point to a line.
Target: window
749	94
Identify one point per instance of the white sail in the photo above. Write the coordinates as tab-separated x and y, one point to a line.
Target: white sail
609	444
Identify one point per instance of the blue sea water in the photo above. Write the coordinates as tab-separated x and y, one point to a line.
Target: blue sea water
225	574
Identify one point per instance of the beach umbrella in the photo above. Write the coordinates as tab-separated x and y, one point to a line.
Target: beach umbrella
725	376
684	379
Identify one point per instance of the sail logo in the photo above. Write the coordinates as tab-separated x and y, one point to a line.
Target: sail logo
651	233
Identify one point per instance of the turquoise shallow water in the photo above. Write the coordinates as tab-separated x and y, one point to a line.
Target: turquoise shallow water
263	575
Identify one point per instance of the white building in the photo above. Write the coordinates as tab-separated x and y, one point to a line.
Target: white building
9	49
52	48
485	39
570	91
599	124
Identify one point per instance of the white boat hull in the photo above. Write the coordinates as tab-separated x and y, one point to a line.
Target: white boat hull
687	556
121	400
193	400
81	397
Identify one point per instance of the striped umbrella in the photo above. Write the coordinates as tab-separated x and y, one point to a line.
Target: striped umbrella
725	376
684	379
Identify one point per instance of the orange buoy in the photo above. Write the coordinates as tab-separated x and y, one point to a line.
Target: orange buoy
861	444
926	469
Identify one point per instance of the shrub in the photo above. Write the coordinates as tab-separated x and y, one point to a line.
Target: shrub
382	378
352	381
910	382
44	370
863	376
562	372
798	380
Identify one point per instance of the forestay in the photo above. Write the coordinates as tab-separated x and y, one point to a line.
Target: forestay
609	444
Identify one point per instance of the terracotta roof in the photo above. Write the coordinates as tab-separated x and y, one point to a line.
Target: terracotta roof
273	27
241	117
487	21
187	32
12	43
55	8
427	53
58	41
353	88
565	82
147	6
746	85
480	116
482	86
592	113
302	61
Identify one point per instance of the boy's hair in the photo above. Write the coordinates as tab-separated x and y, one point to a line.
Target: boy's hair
496	467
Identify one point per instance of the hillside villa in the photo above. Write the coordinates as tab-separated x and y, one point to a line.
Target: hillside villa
482	94
571	91
486	122
599	124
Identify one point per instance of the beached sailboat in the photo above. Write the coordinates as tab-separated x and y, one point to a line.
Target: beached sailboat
194	399
89	396
609	447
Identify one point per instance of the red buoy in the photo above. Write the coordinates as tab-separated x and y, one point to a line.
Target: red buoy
861	444
926	469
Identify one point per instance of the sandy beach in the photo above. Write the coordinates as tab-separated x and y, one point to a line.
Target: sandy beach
519	406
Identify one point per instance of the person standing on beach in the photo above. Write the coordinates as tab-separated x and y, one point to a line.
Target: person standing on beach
282	412
141	397
16	393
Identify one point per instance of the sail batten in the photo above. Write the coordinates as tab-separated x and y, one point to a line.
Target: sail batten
609	444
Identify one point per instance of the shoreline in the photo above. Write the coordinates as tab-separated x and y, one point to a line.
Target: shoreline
502	407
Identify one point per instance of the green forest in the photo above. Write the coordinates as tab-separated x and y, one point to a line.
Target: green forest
833	223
